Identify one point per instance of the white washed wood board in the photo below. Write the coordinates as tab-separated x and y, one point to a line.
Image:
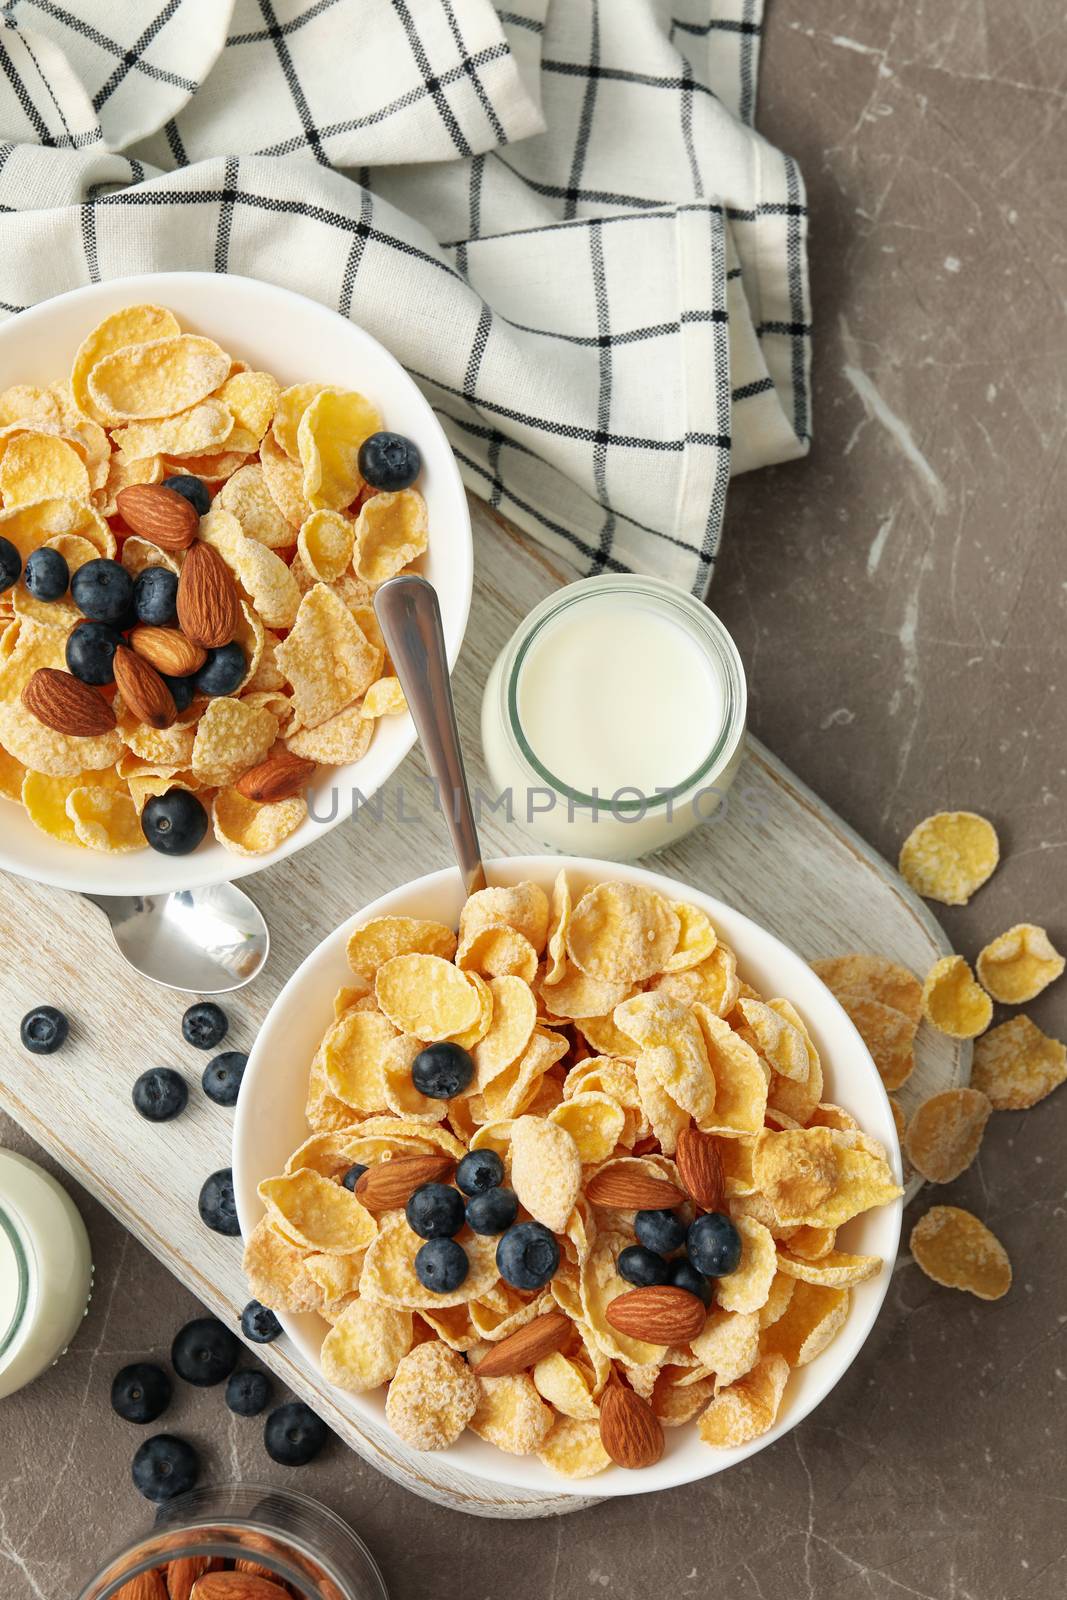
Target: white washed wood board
778	854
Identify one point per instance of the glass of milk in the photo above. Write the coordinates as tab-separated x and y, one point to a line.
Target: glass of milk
613	720
46	1270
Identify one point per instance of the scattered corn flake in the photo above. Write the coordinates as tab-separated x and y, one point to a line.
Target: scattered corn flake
290	406
377	941
329	435
12	774
511	1414
249	829
214	469
156	378
246	496
573	1448
365	1346
1017	1065
622	931
747	1288
384	699
39	466
888	1035
325	545
875	978
945	1133
105	818
815	1314
607	1039
948	856
958	1251
276	1273
747	1408
316	1213
836	1269
391	532
201	430
128	326
953	1001
426	995
1018	964
432	1397
326	658
546	1170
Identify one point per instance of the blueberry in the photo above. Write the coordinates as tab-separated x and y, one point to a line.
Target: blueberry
441	1265
182	691
160	1094
222	671
479	1170
174	823
389	461
642	1267
10	564
165	1467
43	1030
259	1323
685	1276
204	1352
661	1231
247	1392
434	1211
442	1070
47	574
204	1025
492	1211
713	1245
353	1175
194	490
91	650
222	1077
141	1392
102	590
294	1435
217	1206
155	596
527	1255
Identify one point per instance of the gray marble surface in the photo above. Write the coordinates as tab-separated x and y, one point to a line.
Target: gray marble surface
900	601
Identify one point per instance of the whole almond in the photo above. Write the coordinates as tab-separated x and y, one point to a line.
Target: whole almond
389	1184
526	1346
65	704
279	777
162	516
238	1586
660	1314
168	650
700	1168
184	1571
146	1586
630	1189
207	598
143	690
630	1431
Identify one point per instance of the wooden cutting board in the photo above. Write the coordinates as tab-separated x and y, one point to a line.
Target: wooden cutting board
778	854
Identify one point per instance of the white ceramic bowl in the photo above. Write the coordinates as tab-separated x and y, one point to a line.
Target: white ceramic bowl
295	339
270	1124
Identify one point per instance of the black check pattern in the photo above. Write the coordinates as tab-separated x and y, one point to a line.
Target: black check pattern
555	213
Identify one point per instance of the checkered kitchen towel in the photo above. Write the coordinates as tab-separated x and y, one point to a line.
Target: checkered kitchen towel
558	215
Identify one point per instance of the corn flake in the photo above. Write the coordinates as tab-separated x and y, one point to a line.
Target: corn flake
249	829
105	818
958	1251
511	1414
546	1170
391	532
246	496
427	996
39	466
873	978
948	856
728	1344
316	1213
432	1397
128	326
156	378
953	1001
365	1346
622	931
378	941
1017	965
888	1035
325	545
815	1313
329	435
384	699
1017	1065
327	658
230	737
945	1132
276	1272
573	1448
747	1408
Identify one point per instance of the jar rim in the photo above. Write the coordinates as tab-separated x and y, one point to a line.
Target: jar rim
13	1237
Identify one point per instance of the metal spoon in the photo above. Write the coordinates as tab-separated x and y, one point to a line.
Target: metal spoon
410	620
203	941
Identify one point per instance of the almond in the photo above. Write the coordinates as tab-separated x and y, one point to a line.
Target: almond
388	1184
660	1314
526	1346
183	1573
630	1189
207	598
162	516
168	650
279	777
65	704
146	1586
238	1586
143	690
630	1431
700	1168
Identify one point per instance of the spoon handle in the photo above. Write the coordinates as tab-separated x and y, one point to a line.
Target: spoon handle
410	619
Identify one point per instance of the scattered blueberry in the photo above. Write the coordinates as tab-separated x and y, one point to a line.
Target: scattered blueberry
204	1352
353	1175
47	574
165	1467
661	1231
641	1266
10	564
527	1255
155	596
479	1170
182	691
43	1030
294	1435
204	1025
685	1276
222	671
222	1077
442	1070
217	1206
389	461
713	1245
247	1392
492	1211
160	1094
174	823
194	490
102	590
91	650
141	1392
441	1265
435	1211
259	1323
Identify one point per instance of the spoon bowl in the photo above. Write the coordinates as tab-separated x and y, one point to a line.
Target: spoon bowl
210	940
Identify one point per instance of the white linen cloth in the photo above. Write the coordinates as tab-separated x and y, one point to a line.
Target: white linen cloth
557	214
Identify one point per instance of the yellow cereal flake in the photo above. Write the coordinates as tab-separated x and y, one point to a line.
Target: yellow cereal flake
559	922
316	1213
1017	1065
251	397
249	829
953	1001
948	856
156	378
836	1269
573	1448
522	906
341	739
815	1314
39	466
391	533
958	1251
231	737
365	1346
105	818
285	482
873	978
432	1397
595	1122
201	430
389	1268
128	326
888	1035
384	699
782	1045
747	1408
375	942
1017	965
326	657
329	435
426	995
566	1385
622	931
546	1170
245	496
325	545
497	951
290	406
511	1414
276	1272
945	1133
514	1017
728	1344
